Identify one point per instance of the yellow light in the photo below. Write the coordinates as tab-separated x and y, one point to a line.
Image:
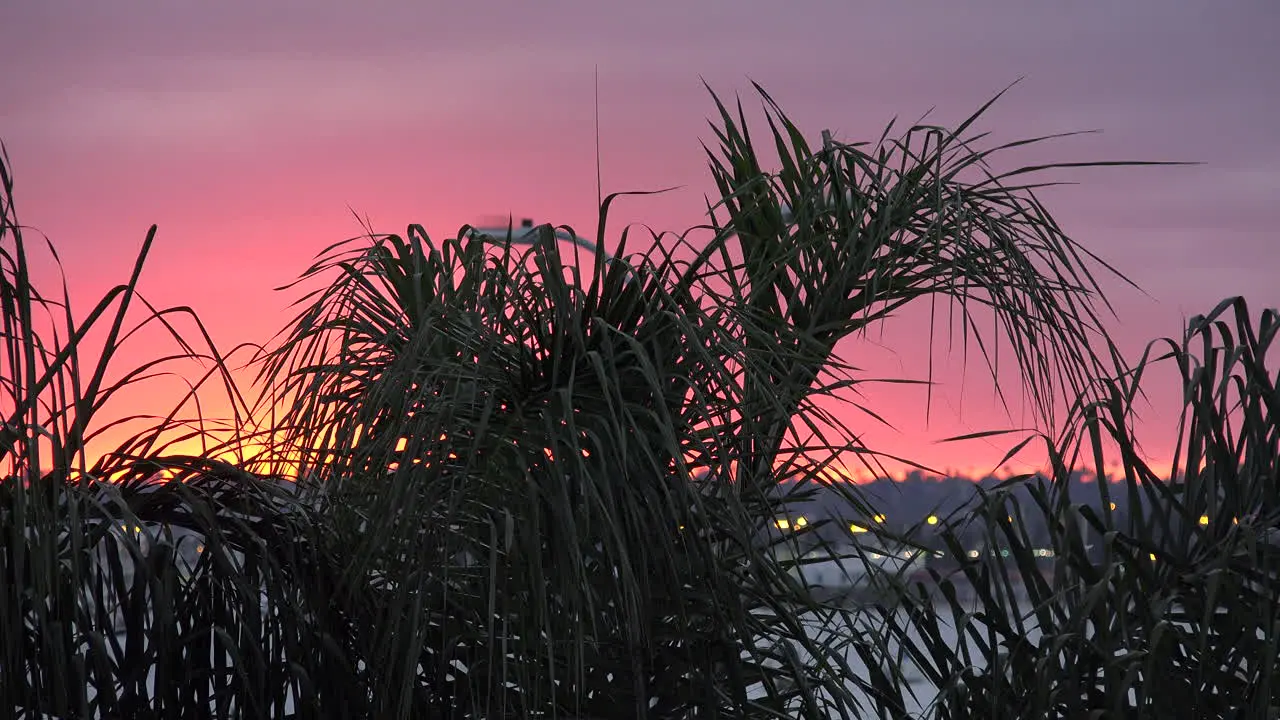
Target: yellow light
1113	506
857	529
199	548
878	518
1153	556
932	520
802	521
1235	521
682	527
1010	518
1204	519
782	523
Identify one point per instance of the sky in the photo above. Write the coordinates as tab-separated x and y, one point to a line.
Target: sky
253	133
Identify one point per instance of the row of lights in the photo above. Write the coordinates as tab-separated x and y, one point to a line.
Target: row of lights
802	521
1037	552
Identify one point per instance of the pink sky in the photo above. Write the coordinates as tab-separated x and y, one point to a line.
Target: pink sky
247	129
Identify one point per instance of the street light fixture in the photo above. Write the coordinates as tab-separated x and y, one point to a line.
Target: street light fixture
526	233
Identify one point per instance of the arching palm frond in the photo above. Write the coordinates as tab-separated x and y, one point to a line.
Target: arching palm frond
844	236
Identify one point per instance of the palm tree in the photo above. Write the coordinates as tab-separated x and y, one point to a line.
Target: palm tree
545	421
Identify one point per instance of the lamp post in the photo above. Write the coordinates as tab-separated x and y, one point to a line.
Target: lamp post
526	234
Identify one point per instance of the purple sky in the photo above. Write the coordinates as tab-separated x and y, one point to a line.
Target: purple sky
246	129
